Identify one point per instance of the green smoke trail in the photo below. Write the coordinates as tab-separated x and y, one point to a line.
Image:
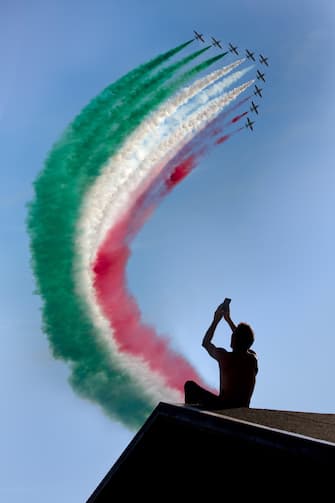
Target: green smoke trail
82	128
127	118
116	113
52	218
92	111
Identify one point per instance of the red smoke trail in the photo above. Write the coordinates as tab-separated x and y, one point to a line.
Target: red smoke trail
180	172
215	128
226	137
119	306
238	117
222	139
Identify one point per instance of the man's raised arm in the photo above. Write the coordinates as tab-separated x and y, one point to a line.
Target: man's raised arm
207	340
229	321
222	311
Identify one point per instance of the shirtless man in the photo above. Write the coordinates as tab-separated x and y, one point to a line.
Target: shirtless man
238	368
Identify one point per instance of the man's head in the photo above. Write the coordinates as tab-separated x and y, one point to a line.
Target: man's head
242	338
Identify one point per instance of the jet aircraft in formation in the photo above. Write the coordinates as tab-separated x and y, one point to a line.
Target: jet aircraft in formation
258	91
263	60
233	49
254	107
260	76
250	55
216	42
249	124
198	36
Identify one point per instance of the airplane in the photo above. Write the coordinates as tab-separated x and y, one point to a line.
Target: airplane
264	60
254	107
249	124
250	55
199	36
260	75
233	49
216	42
258	91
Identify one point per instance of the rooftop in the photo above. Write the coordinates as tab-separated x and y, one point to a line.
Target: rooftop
185	449
309	424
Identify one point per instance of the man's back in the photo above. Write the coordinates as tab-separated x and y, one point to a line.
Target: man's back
238	371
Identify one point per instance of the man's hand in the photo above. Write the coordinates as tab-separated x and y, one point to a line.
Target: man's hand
221	312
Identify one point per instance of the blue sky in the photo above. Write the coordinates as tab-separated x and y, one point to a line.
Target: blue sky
254	222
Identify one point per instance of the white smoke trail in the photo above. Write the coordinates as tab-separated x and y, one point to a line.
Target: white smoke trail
86	235
107	200
162	121
145	138
132	173
212	91
172	120
129	187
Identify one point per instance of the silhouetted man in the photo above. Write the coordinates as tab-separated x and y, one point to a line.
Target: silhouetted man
238	368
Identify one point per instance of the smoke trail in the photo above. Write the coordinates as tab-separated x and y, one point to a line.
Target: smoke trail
212	91
178	168
112	137
189	156
117	174
134	337
98	199
52	218
110	265
88	231
199	143
101	321
108	178
192	103
135	99
238	117
137	145
100	108
185	160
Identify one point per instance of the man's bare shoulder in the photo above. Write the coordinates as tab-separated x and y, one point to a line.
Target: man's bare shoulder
222	351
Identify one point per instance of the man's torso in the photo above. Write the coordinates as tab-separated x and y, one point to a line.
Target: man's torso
237	376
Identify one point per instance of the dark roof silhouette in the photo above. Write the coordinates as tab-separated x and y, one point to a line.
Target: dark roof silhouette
186	450
309	424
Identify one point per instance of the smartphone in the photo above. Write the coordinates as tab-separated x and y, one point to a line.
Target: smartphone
226	303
